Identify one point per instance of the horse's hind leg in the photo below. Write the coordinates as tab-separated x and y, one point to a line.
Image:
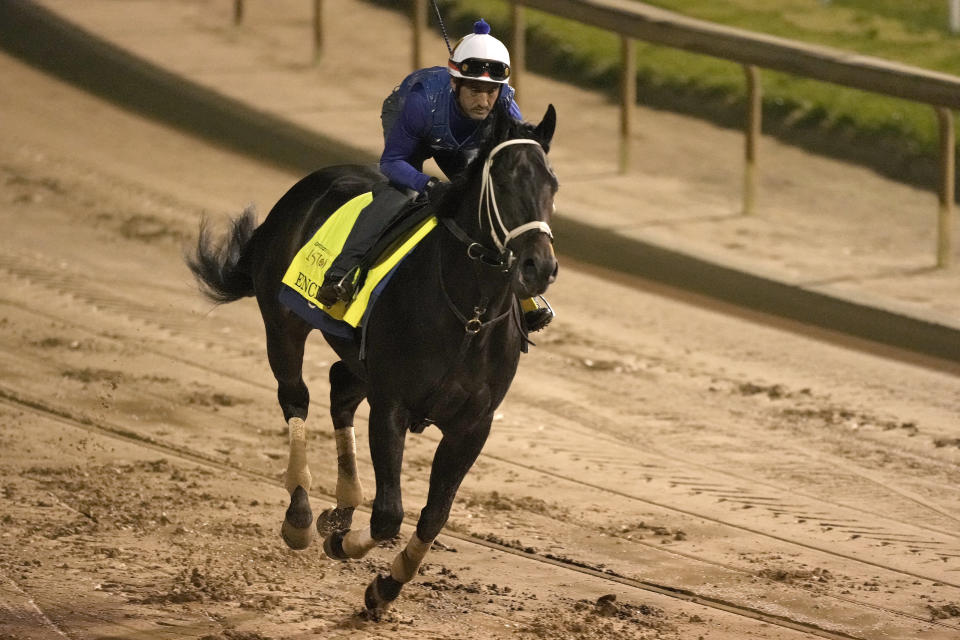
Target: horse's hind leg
286	337
346	393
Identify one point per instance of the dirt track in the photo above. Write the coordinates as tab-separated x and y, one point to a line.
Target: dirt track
722	477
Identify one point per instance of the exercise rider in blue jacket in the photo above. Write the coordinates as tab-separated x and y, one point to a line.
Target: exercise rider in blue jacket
435	113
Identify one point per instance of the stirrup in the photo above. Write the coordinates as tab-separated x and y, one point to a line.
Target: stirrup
538	317
340	291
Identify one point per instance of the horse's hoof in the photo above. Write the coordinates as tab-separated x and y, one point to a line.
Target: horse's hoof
296	530
334	519
333	545
296	538
299	514
381	592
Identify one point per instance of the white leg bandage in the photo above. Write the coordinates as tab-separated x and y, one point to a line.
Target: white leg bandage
349	490
298	473
358	542
407	562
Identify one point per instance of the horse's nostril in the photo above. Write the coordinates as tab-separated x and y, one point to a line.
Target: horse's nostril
529	268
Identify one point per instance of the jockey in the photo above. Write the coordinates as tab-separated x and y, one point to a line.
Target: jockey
435	113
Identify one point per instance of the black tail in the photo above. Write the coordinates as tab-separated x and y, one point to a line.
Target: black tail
218	264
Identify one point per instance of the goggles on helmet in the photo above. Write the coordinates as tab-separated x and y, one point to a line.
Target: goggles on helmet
478	68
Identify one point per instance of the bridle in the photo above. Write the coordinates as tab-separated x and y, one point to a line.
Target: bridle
500	260
488	201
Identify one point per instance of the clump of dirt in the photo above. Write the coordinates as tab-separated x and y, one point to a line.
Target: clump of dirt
638	530
231	634
88	375
780	574
215	399
28	189
579	563
774	392
58	343
196	585
834	416
512	544
496	501
603	619
149	228
609	607
943	612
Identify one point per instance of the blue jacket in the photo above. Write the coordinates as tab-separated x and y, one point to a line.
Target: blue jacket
421	120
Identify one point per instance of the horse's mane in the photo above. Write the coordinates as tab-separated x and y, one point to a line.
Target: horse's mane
497	128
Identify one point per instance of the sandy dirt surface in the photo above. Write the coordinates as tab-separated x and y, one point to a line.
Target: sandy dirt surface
662	468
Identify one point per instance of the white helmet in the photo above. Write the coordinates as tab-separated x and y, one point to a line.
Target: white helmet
480	56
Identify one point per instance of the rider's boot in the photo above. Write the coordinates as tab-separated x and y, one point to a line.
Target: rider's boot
536	317
337	287
342	274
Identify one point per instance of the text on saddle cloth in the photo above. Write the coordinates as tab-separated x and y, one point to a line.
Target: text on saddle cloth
305	273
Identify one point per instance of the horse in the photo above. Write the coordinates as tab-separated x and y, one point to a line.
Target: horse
440	346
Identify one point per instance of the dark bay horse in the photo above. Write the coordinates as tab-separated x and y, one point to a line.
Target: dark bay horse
442	343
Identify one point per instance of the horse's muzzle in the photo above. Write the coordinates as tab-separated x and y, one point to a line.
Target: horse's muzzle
536	267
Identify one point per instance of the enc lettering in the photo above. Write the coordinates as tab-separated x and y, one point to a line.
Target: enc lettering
307	285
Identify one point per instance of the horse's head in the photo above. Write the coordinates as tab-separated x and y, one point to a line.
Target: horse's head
516	201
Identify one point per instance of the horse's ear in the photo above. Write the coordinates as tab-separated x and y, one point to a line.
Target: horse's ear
544	130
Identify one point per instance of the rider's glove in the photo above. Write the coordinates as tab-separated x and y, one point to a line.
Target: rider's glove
435	189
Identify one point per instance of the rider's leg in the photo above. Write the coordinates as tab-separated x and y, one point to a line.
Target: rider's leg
386	206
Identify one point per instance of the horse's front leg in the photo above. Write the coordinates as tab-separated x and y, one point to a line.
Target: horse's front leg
456	453
388	429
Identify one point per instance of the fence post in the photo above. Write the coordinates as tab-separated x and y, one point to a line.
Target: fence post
628	97
518	40
947	167
954	16
754	123
317	30
237	11
419	28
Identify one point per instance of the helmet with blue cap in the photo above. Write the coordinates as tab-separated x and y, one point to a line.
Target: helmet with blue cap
480	56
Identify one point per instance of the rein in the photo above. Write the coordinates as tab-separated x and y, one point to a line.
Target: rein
481	257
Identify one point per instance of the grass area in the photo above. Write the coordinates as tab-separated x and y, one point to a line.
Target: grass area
910	31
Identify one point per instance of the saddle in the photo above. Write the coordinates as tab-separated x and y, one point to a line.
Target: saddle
308	267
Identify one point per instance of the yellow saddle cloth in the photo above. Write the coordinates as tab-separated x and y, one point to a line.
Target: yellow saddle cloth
305	273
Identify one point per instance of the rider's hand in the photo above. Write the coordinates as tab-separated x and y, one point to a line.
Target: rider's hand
435	189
